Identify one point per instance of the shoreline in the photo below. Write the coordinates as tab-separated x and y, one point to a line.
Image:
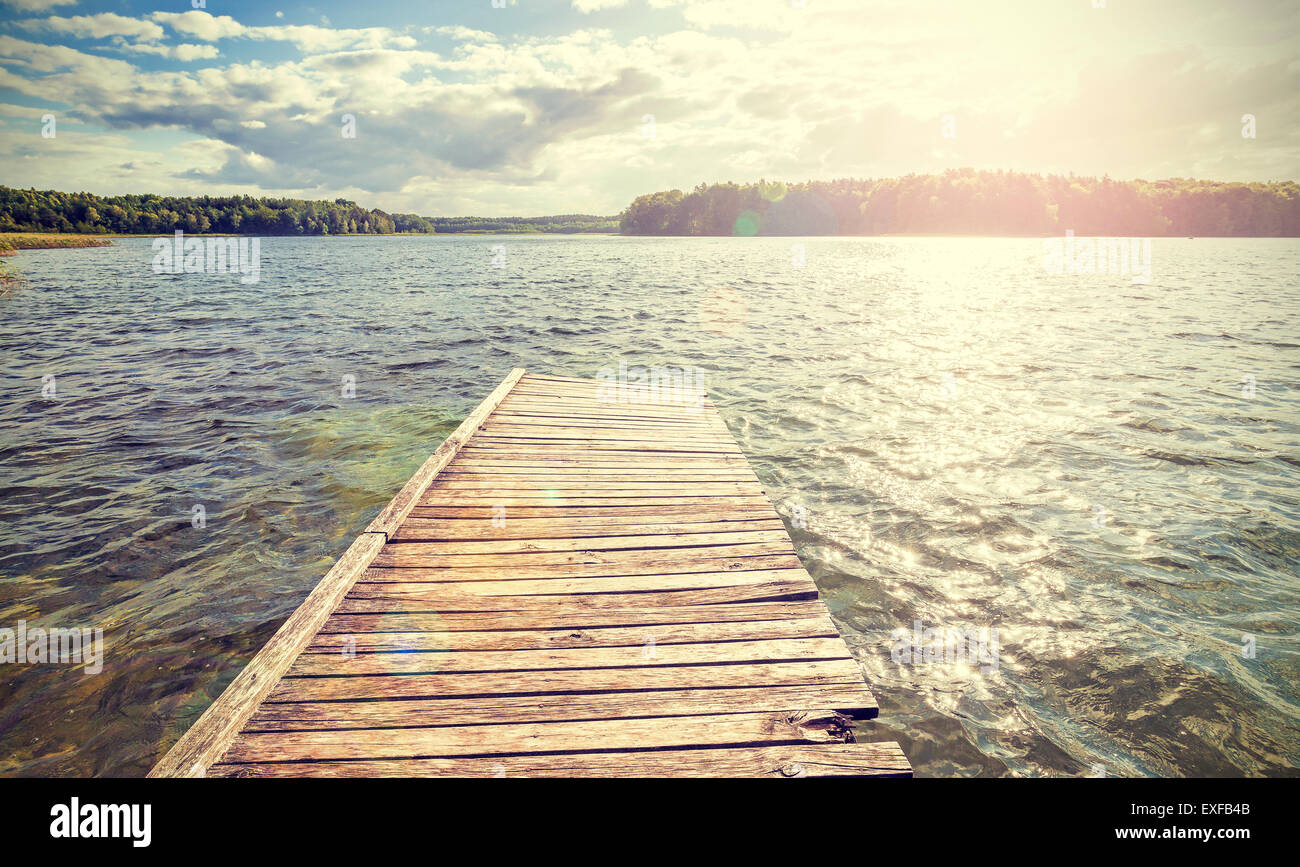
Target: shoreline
12	243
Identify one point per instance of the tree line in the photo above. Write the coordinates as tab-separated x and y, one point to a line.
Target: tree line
145	214
959	201
34	210
965	201
564	224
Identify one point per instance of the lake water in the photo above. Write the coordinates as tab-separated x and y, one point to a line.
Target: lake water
1105	472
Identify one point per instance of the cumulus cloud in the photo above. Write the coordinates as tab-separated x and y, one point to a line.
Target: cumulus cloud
133	35
200	25
308	38
98	26
460	32
454	129
184	52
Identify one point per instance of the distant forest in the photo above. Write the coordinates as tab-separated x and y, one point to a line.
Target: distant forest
51	211
969	202
957	202
564	224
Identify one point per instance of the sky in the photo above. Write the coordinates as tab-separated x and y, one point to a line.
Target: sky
533	107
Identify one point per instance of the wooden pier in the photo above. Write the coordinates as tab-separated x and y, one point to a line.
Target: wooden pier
581	581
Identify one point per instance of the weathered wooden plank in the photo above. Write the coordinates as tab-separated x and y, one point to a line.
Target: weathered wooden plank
552	512
592	403
498	460
591	397
360	633
381	572
515	413
542	403
791	584
437	499
553	377
499	427
372	598
856	703
642	656
531	469
522	529
646	559
884	760
585	447
638	542
737	729
515	423
618	440
606	392
834	672
431	531
580	619
455	596
701	440
526	424
577	417
511	477
473	454
483	586
713	442
577	487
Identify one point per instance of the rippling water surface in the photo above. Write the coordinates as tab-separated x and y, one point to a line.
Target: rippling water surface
1106	472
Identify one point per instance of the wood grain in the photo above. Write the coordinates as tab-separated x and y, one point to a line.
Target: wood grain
784	761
